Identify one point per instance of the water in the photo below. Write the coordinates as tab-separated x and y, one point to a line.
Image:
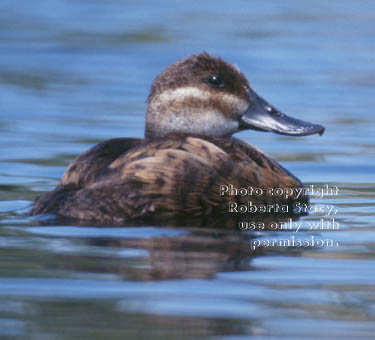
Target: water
73	73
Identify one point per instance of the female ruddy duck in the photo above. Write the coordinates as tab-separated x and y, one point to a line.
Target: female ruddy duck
188	167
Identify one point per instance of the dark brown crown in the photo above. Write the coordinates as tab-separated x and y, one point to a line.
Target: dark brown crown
196	71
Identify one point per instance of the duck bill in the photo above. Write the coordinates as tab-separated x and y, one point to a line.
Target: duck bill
264	117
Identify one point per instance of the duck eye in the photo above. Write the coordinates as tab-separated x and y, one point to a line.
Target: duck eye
215	81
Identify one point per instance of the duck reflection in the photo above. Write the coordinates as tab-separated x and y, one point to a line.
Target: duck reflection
196	253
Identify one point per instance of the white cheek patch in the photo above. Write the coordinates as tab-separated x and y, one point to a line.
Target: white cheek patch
211	123
169	114
182	92
236	104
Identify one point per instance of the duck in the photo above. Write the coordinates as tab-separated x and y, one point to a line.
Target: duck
189	168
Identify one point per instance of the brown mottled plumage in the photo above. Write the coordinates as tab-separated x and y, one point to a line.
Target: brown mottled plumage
174	175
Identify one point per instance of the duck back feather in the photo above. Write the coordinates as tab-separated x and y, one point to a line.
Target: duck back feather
170	180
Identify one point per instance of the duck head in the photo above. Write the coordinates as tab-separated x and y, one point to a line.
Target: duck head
204	95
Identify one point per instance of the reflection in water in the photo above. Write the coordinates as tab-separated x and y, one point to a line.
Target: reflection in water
164	253
199	254
180	253
190	252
